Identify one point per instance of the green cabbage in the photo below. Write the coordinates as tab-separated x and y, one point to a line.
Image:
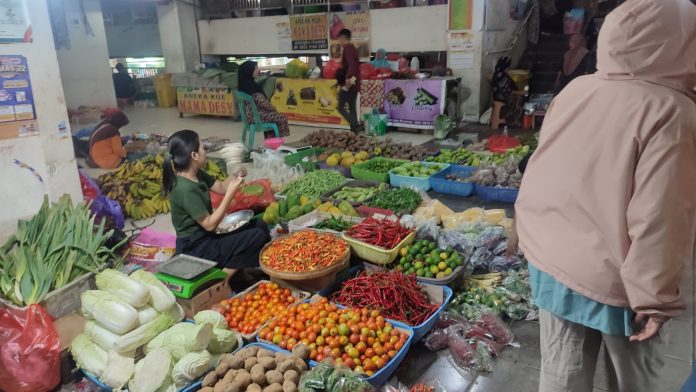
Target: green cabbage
212	317
182	339
122	286
161	298
143	334
109	311
223	341
152	372
88	355
190	367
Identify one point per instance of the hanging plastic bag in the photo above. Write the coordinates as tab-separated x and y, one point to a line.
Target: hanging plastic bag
297	69
90	189
255	195
330	69
105	208
29	350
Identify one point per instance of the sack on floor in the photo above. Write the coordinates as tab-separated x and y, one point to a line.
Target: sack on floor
29	350
151	248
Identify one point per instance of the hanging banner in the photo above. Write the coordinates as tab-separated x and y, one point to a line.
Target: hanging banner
308	101
414	103
14	22
284	36
213	101
17	114
460	50
460	14
309	32
358	22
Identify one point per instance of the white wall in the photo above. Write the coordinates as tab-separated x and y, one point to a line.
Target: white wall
140	40
177	25
84	67
50	154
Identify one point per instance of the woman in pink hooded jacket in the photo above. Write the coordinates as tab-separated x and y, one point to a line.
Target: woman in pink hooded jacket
607	208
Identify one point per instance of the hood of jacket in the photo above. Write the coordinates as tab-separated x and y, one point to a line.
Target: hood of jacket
652	41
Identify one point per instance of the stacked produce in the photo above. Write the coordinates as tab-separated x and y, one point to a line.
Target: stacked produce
373	146
417	169
425	259
400	201
506	175
343	209
345	158
247	313
356	194
256	369
471	157
327	377
384	233
359	338
289	208
395	295
334	224
53	248
137	186
124	314
315	184
304	251
381	166
447	155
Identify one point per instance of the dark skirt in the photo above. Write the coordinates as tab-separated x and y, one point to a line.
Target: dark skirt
236	250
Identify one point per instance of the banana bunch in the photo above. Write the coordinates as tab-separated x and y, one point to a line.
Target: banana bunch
139	209
484	281
215	171
146	189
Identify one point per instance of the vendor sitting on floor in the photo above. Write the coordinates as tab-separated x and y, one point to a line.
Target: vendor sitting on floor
248	72
193	217
105	145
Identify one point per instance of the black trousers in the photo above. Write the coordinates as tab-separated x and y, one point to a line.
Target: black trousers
236	250
349	97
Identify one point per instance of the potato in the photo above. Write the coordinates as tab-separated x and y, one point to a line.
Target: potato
222	369
220	386
258	374
300	364
249	363
234	362
231	374
268	363
232	388
206	389
247	353
301	351
254	388
292	375
243	379
264	353
226	358
253	349
287	365
275	387
289	386
210	379
274	376
281	357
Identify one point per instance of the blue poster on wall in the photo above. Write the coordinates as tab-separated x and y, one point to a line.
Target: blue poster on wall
17	112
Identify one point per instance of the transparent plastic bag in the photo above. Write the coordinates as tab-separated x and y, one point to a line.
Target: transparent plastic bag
490	237
458	241
462	351
436	340
481	258
428	230
503	263
496	327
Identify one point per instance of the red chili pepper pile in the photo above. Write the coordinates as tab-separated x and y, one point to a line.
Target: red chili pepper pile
395	295
304	251
385	233
421	388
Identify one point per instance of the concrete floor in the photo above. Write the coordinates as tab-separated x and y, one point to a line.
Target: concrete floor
517	368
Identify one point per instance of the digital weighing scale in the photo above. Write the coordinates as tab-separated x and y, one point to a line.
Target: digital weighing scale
184	275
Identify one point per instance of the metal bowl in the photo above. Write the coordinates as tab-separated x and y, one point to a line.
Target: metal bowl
235	221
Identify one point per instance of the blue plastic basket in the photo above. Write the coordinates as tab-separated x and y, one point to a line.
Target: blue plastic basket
441	184
503	195
418	330
413	182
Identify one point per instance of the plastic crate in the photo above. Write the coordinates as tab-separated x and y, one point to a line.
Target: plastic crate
341	169
503	195
299	158
359	171
421	183
441	184
375	254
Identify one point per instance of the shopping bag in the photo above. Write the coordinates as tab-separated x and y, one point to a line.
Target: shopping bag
255	195
29	350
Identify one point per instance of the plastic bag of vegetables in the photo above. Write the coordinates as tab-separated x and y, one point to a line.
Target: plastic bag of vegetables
329	378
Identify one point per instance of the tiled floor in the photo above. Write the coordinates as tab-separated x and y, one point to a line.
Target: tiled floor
517	369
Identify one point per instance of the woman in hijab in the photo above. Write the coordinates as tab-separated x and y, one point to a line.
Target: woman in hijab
105	146
247	84
576	62
507	99
380	60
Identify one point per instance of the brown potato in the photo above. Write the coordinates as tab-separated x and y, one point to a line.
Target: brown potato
264	353
254	388
234	362
289	386
232	388
210	379
258	374
287	365
300	365
231	374
269	363
301	351
274	376
243	379
206	389
249	363
222	369
247	352
220	386
281	357
292	375
276	387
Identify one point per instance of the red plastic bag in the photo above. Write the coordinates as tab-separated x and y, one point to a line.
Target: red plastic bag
90	189
367	71
502	143
331	68
243	201
29	350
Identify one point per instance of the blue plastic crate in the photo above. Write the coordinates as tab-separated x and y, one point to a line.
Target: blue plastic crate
441	184
419	331
413	182
504	195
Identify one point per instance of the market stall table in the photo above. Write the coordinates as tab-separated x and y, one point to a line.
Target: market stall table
414	103
310	102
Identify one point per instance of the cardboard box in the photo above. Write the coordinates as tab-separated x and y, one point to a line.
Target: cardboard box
205	299
68	327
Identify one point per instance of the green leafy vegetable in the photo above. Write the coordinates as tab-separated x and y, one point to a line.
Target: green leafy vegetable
401	201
